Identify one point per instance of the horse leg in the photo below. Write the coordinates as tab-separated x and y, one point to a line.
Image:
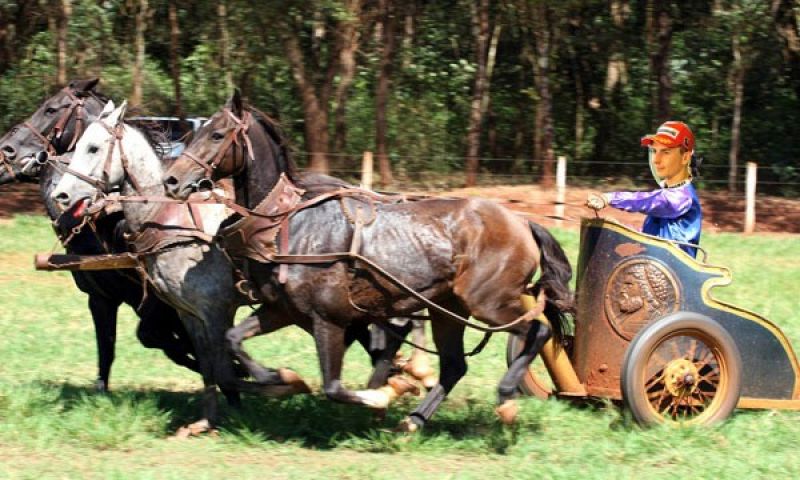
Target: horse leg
419	366
264	321
383	358
448	336
104	315
330	341
538	333
162	328
202	342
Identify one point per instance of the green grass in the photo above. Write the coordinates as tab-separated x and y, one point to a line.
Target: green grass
52	425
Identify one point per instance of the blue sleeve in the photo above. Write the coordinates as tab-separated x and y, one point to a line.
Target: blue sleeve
661	203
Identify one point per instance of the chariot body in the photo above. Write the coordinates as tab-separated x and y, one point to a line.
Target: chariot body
649	333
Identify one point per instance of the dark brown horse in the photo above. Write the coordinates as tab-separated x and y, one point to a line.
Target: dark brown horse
53	129
470	256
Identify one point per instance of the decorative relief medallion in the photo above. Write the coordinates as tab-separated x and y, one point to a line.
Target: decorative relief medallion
639	291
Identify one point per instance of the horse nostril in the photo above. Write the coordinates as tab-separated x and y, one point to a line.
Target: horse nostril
9	151
62	198
171	181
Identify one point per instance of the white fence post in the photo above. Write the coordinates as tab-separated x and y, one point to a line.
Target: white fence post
366	171
561	188
750	199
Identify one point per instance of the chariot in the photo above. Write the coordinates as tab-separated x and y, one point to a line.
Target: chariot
649	333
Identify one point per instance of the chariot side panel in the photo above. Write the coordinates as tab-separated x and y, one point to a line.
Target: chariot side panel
627	280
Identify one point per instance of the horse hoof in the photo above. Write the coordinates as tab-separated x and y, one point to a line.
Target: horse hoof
194	429
402	386
376	399
291	378
430	381
507	412
419	369
407	425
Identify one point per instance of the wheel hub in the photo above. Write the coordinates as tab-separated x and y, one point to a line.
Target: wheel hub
680	377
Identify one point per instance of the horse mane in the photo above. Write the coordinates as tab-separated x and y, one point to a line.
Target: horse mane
274	130
154	134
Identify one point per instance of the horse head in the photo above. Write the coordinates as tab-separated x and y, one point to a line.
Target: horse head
219	150
52	130
103	160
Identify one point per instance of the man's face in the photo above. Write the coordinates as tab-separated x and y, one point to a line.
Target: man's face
670	163
630	296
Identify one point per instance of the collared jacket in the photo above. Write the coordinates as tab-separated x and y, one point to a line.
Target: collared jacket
672	213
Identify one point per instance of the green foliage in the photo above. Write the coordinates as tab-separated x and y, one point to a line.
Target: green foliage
433	74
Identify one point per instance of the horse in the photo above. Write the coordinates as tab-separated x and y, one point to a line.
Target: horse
191	274
338	263
51	132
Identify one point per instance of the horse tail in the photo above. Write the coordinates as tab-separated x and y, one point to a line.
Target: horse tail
556	273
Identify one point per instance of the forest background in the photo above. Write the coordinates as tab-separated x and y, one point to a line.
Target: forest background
469	90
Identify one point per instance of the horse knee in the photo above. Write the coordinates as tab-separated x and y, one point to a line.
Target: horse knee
233	339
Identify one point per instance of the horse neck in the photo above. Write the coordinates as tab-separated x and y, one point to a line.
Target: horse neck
261	173
147	168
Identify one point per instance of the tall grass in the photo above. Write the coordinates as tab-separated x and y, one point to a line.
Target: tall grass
52	424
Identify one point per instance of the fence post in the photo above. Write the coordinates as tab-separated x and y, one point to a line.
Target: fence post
750	198
366	171
561	188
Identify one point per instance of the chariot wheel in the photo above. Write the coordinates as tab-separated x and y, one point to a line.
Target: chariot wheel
682	369
536	381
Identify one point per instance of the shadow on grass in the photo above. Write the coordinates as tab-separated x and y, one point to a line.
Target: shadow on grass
312	421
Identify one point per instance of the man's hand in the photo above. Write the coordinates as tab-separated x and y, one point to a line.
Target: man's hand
596	201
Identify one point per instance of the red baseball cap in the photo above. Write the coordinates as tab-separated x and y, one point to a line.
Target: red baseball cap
671	134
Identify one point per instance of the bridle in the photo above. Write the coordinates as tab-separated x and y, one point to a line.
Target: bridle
75	107
101	184
236	136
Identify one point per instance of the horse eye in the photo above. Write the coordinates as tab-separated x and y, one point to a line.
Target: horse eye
217	136
92	149
50	111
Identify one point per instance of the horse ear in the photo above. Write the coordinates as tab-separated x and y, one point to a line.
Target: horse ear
235	103
84	85
107	109
118	114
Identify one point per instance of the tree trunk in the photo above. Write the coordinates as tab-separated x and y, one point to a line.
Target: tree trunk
617	66
659	40
785	18
480	25
351	37
141	16
174	57
315	111
544	110
224	45
62	40
739	70
386	24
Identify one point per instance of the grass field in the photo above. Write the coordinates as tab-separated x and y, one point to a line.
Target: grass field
52	425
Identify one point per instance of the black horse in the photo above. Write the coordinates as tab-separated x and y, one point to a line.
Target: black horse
53	130
471	257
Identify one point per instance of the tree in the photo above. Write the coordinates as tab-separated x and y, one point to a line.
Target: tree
65	12
480	28
141	17
386	24
659	42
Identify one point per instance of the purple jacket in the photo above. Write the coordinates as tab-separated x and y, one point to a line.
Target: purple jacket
672	213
